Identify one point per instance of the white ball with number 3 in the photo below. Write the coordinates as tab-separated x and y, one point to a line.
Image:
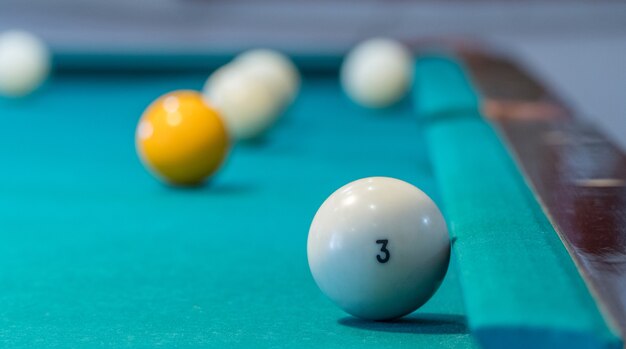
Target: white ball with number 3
378	248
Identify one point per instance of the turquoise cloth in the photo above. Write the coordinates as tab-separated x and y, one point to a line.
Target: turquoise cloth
520	287
95	253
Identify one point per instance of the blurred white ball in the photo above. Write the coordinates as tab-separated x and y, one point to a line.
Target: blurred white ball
274	69
24	63
377	72
246	105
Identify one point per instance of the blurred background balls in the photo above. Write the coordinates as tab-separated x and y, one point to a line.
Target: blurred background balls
377	73
253	91
24	63
245	103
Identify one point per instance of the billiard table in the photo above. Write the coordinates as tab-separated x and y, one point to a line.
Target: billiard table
95	252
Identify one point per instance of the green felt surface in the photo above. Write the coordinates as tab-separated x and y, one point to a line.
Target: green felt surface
95	253
520	286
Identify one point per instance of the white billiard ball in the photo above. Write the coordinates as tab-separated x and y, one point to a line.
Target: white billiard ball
378	248
275	69
377	72
245	104
24	63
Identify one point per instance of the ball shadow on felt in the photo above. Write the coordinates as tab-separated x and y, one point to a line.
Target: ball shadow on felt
424	323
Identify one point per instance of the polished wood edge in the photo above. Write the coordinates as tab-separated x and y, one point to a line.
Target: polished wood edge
507	91
577	174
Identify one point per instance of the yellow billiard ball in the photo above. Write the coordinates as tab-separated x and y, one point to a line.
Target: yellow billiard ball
181	139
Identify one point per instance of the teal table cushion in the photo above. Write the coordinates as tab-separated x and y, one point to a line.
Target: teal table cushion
521	289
